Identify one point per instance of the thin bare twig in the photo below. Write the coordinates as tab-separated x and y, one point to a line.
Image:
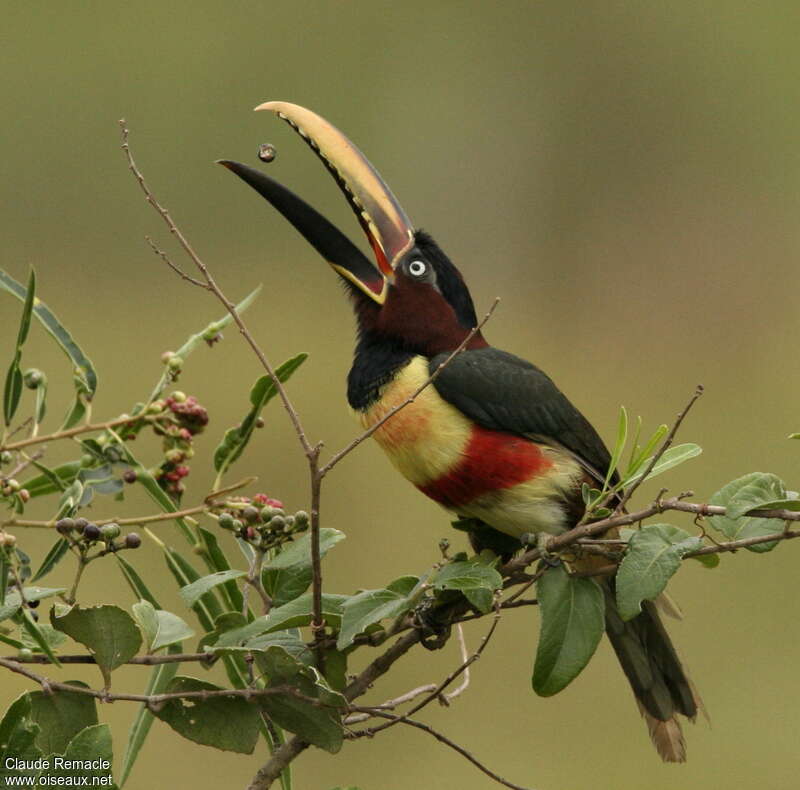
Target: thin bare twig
150	699
393	719
437	692
134	520
149	660
98	426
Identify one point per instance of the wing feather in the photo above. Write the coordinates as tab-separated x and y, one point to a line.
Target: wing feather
503	392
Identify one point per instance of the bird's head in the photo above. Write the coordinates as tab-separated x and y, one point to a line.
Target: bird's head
413	295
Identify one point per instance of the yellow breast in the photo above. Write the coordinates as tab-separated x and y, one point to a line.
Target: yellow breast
426	438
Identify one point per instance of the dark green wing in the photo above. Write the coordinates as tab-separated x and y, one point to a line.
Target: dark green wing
503	392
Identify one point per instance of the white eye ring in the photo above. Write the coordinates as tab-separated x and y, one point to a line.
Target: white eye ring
417	268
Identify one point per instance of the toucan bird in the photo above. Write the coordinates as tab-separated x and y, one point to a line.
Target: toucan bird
492	439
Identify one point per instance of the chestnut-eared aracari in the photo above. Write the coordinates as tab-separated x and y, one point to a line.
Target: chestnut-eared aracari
492	438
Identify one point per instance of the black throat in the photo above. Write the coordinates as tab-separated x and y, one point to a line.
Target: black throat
377	360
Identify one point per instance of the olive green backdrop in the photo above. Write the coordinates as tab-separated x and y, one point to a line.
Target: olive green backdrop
624	175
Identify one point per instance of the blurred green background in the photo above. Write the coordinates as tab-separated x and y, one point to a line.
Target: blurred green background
624	175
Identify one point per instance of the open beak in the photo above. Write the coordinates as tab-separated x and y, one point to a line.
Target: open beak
388	229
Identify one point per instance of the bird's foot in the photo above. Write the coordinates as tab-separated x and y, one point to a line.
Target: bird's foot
547	556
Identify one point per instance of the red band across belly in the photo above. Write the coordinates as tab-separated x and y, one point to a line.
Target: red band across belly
492	460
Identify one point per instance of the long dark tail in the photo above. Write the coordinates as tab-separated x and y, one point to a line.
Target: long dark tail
654	671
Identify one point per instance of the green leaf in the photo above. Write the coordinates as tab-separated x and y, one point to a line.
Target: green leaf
91	743
83	368
61	716
135	581
108	632
475	579
744	526
573	621
760	490
371	606
299	551
18	734
192	593
70	499
707	560
227	621
217	561
30	628
619	446
199	338
286	584
671	458
160	628
227	723
14	601
75	414
317	724
236	439
289	575
51	480
654	554
207	607
52	637
40	409
294	614
12	390
160	678
54	556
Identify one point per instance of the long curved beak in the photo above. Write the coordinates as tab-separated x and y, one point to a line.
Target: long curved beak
388	229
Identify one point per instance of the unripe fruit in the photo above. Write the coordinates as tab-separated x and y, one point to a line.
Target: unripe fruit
178	396
167	356
225	521
250	514
109	531
5	458
33	378
25	654
24	494
277	522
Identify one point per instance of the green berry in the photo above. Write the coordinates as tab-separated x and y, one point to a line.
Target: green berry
109	531
225	521
167	356
277	522
33	378
5	458
25	654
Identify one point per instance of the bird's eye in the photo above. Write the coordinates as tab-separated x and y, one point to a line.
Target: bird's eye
417	268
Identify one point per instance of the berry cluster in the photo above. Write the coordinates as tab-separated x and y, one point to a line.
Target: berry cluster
261	521
11	488
181	418
80	529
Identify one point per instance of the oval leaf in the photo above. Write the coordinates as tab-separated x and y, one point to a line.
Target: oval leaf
108	632
653	555
573	620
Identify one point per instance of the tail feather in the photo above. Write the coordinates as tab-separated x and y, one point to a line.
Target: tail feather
667	737
659	682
